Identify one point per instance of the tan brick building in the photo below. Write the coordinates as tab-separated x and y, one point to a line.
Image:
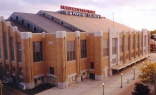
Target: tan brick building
59	49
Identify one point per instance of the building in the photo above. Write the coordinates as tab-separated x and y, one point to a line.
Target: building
65	47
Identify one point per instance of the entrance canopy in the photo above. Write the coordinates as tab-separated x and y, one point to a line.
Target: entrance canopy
128	63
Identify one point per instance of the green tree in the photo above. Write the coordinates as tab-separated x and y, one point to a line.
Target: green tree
141	89
148	75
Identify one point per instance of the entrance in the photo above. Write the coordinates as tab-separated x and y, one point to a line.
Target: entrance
92	76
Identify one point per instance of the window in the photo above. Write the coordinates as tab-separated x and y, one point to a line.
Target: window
11	18
132	55
37	51
35	80
121	58
13	68
12	48
114	60
92	65
127	57
141	39
19	52
114	40
22	21
105	47
17	18
34	29
5	45
145	40
127	43
137	42
70	50
132	42
121	44
51	69
83	49
28	25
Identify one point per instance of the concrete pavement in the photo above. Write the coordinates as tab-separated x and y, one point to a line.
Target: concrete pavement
92	87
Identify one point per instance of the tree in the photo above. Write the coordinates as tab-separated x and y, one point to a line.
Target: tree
148	75
140	89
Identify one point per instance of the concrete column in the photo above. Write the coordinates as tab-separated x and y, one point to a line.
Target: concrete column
61	52
8	28
27	58
78	56
15	30
98	50
2	44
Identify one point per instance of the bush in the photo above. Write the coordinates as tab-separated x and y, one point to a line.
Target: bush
141	89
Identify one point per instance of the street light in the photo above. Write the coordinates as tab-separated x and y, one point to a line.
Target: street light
121	80
134	73
103	84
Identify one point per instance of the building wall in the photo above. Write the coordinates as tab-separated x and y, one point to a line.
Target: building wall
54	52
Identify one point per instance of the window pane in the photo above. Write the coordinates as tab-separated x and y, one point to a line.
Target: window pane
37	51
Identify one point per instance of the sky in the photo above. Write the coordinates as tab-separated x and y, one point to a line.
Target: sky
137	14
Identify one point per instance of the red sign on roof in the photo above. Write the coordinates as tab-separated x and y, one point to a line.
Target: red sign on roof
77	9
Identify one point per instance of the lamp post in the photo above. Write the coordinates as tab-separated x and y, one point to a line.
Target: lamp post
134	73
103	84
121	80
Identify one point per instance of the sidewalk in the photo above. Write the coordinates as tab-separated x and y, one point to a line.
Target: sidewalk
92	87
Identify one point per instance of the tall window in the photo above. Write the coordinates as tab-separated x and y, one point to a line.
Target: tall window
92	65
105	47
121	45
132	42
19	52
12	48
145	40
83	49
127	56
127	42
137	44
37	51
114	40
141	39
70	50
51	69
5	45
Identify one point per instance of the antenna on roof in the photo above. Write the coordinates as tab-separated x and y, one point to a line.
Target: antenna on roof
113	20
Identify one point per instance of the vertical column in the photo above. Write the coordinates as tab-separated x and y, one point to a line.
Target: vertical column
98	47
9	50
27	61
2	44
139	44
61	53
44	54
77	49
15	30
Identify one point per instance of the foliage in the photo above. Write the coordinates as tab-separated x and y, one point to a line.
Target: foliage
148	74
140	89
153	32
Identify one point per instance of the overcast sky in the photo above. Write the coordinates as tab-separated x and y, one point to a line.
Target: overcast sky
137	14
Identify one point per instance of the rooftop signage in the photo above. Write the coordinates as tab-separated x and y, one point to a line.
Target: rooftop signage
78	12
77	9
